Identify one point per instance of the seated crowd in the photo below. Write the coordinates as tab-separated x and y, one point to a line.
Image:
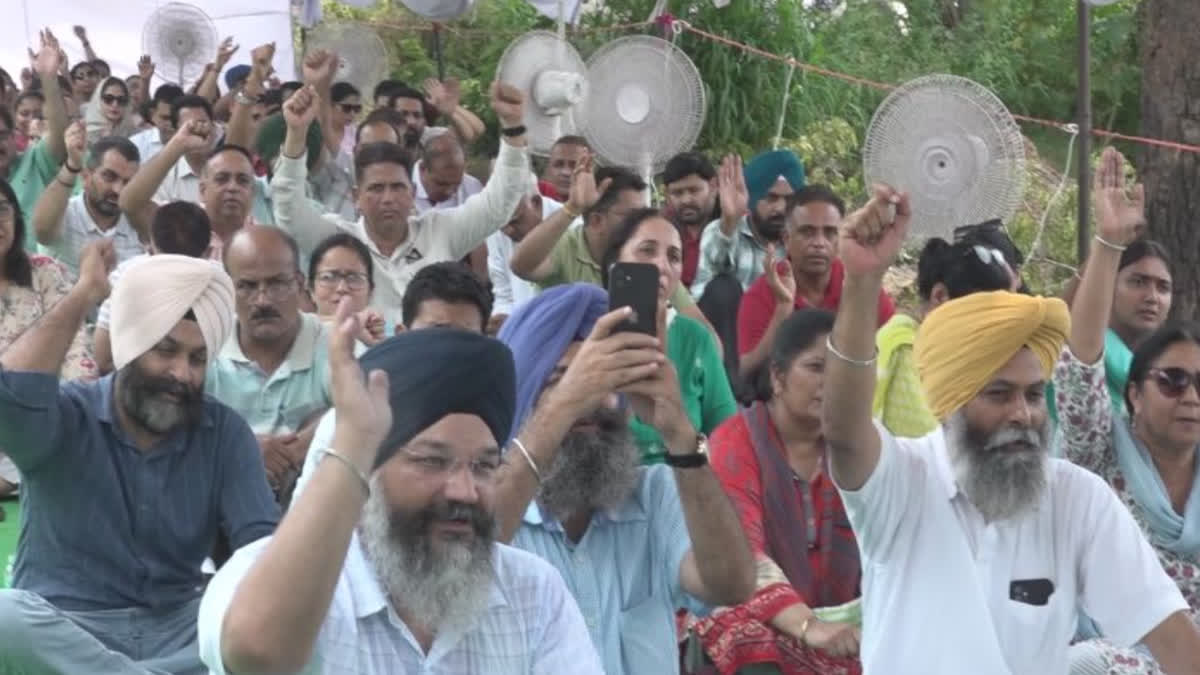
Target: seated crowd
284	389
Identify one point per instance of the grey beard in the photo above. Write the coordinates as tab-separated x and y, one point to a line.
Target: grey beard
596	469
441	589
1002	483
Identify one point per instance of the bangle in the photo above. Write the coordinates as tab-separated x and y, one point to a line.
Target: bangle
68	167
358	473
1108	244
854	362
513	132
804	627
528	459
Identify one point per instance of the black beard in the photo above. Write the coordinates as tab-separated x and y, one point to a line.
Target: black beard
138	395
594	469
771	229
105	208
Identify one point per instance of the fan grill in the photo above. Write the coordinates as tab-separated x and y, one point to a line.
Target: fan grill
647	102
181	39
525	60
362	54
953	146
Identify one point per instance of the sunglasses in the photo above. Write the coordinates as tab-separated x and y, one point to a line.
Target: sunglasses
109	99
1174	382
351	108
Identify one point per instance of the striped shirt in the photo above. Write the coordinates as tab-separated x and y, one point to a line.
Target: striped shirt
742	255
530	626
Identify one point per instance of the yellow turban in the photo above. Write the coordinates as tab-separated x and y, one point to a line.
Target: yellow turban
963	343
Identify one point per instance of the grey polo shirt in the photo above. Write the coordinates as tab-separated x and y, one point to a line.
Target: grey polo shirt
105	525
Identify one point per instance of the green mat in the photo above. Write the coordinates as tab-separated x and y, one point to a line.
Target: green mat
9	529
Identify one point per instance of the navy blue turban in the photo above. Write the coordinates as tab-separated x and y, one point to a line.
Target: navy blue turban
437	372
541	330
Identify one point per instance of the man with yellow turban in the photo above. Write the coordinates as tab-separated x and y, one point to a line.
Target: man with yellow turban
126	480
978	549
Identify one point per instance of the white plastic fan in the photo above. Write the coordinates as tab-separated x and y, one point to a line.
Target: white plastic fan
362	55
953	146
438	10
181	39
646	103
554	79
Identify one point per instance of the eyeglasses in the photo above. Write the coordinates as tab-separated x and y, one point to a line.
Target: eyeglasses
109	99
351	108
275	289
355	281
1174	382
441	466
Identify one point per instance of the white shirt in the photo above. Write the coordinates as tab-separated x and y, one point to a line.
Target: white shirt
435	236
182	184
78	229
149	143
937	579
469	187
531	624
509	290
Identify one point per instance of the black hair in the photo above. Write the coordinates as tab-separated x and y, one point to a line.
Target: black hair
189	101
959	268
386	88
271	98
381	116
402	90
380	153
992	234
167	93
7	118
110	81
799	332
17	268
81	64
341	240
1144	248
230	147
572	139
622	234
98	63
290	88
181	228
816	194
1151	348
688	164
341	91
451	282
123	146
31	94
622	180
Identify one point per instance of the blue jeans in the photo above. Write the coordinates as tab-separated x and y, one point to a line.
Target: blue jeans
36	637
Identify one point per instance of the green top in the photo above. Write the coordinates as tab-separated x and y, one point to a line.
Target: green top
707	396
30	175
573	263
1117	359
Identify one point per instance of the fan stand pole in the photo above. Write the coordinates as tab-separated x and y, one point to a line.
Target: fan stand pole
437	51
1082	234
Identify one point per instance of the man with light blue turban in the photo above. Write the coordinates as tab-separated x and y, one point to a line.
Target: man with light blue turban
657	537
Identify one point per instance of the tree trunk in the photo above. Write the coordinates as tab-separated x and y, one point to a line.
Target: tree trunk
1170	92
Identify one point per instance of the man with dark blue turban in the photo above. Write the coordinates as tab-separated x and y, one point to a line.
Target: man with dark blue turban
396	520
657	537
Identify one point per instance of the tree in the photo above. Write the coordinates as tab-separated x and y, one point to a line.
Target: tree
1170	88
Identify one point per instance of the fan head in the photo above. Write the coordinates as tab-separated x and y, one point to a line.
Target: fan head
646	103
362	55
554	79
953	146
439	10
181	39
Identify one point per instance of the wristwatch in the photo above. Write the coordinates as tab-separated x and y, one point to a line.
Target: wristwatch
242	99
691	460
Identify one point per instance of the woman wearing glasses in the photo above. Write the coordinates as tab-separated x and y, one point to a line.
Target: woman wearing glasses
110	112
340	266
1149	455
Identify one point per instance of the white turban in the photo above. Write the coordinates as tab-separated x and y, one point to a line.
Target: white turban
154	293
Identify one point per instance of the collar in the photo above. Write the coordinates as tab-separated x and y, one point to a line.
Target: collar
404	250
941	464
418	187
301	355
184	170
368	596
121	228
105	412
583	254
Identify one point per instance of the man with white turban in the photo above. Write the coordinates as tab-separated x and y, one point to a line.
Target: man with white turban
978	549
126	480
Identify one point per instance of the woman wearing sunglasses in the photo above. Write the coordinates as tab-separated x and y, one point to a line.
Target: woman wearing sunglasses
1149	455
109	113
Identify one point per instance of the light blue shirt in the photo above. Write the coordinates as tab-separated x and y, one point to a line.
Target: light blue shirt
282	401
530	625
624	573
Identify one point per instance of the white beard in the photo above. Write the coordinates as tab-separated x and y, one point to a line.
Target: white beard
1003	483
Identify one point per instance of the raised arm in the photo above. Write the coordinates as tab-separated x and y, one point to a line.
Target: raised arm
52	204
869	240
320	66
532	258
241	126
445	96
294	212
782	283
137	199
208	87
469	225
1120	218
49	60
88	53
276	612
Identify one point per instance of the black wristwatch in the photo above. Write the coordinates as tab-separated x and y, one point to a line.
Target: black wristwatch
513	132
692	460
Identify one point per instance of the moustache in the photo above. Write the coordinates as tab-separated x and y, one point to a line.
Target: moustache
158	385
482	522
264	313
605	420
1014	437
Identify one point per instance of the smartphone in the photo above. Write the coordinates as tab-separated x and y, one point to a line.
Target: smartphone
635	285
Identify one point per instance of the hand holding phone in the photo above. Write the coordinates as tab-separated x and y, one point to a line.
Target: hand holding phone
635	285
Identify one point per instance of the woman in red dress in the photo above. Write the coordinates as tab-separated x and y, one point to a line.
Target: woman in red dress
770	460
